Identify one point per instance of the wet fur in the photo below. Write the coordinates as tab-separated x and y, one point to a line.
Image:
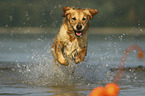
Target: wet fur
70	44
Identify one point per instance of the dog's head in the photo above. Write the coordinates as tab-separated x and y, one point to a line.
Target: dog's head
78	18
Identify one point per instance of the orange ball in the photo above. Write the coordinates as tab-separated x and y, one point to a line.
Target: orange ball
111	89
140	54
98	91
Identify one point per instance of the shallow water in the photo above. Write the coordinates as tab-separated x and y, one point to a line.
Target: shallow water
26	66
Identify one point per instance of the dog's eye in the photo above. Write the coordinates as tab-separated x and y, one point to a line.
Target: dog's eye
84	19
74	18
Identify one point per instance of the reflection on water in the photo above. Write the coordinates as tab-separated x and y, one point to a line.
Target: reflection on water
26	65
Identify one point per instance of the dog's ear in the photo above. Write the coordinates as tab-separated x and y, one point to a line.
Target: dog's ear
66	11
66	8
92	12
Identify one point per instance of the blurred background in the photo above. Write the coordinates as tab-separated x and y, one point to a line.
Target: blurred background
27	30
48	13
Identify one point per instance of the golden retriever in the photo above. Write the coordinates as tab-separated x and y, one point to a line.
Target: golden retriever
70	44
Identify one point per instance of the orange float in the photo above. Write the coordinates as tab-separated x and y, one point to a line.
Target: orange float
111	89
98	91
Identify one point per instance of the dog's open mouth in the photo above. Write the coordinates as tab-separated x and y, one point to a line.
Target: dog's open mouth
78	33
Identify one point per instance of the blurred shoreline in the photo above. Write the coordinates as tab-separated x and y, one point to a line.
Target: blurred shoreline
48	30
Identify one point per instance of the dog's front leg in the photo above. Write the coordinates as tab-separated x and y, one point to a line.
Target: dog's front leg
60	57
80	56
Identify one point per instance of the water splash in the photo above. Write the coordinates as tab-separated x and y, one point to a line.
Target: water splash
42	72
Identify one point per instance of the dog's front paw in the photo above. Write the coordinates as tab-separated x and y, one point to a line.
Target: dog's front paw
79	59
64	62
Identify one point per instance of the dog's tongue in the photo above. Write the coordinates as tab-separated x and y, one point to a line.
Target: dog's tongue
79	33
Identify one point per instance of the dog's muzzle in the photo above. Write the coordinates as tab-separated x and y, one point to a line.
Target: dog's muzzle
79	31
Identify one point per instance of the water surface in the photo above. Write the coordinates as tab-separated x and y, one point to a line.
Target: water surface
26	66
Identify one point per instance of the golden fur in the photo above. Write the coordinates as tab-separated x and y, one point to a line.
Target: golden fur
70	44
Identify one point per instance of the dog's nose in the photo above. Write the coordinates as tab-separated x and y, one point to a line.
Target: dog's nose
79	27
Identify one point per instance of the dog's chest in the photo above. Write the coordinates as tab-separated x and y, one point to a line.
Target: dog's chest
71	48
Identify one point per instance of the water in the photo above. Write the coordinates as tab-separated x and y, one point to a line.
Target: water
26	66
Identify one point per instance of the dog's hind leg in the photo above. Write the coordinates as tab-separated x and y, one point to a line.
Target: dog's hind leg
71	67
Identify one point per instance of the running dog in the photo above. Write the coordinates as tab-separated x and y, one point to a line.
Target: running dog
70	44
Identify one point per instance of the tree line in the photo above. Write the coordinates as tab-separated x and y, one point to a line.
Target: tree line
48	13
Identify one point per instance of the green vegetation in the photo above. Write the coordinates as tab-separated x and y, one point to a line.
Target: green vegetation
48	13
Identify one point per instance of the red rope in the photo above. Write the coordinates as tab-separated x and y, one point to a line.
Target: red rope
123	60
